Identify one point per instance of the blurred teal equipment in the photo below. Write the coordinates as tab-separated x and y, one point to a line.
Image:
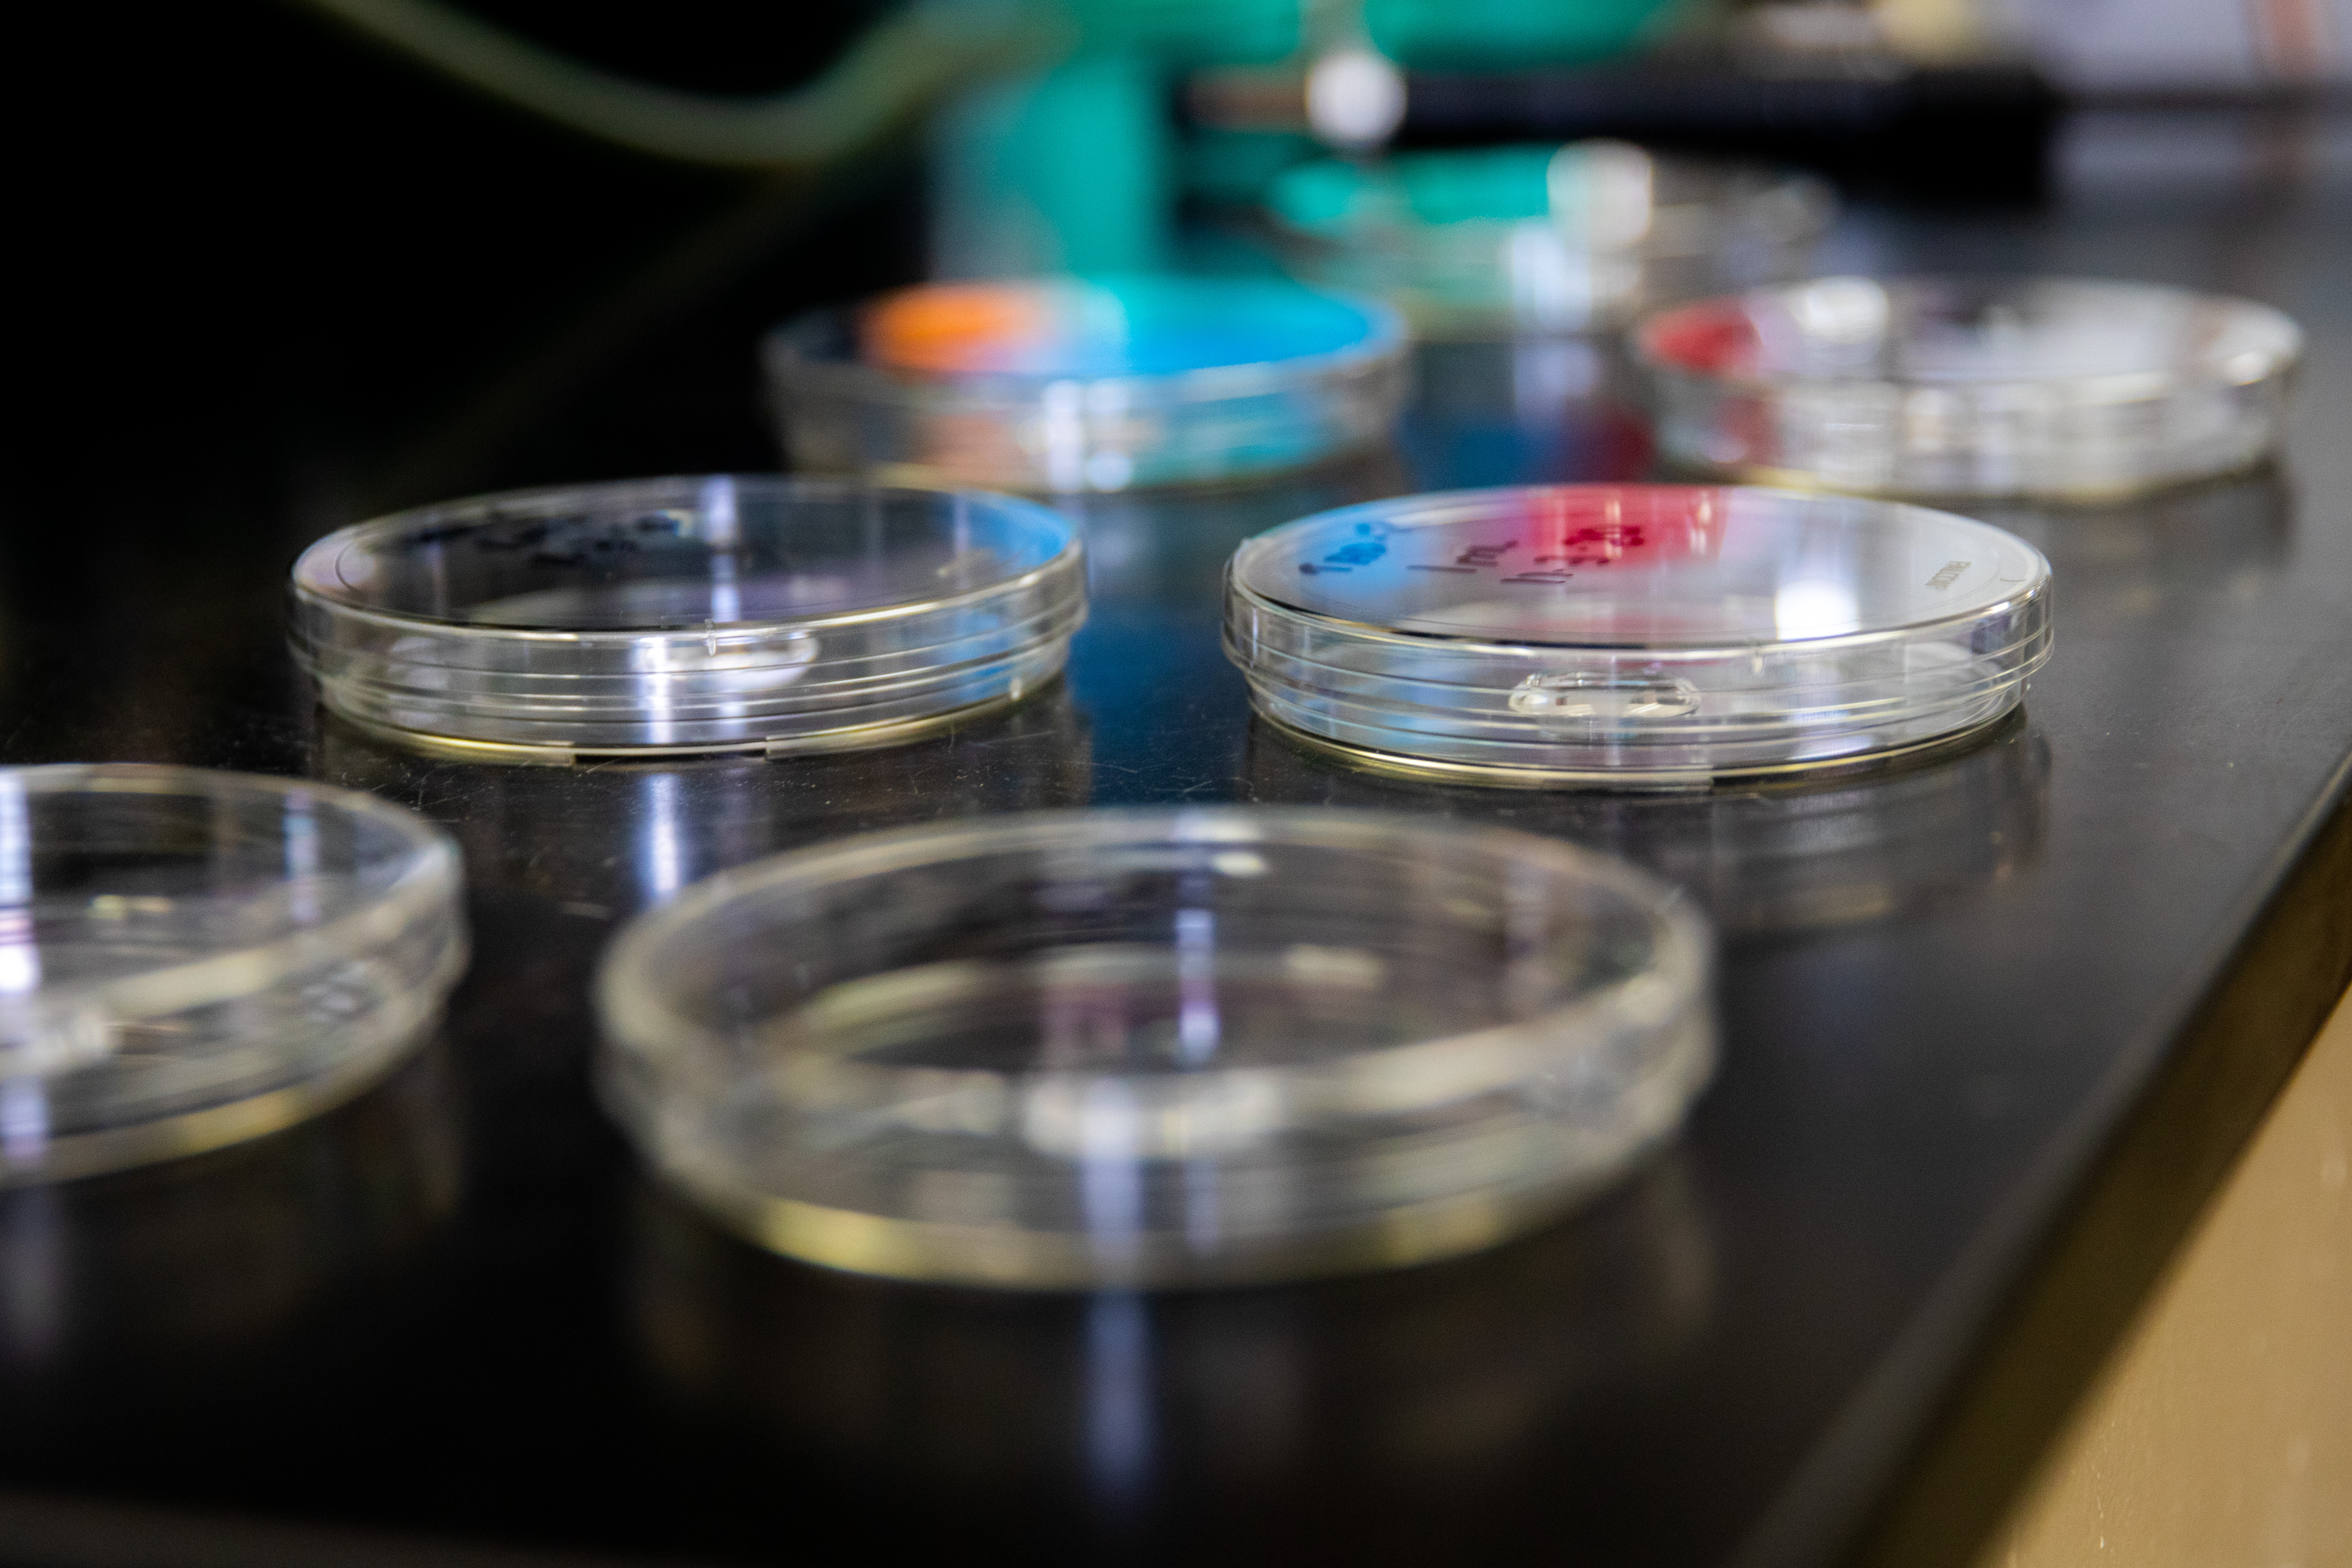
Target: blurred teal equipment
1511	35
1052	138
1072	168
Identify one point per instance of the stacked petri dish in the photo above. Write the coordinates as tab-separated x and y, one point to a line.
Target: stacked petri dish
190	959
1506	240
1071	386
673	615
1156	1048
2052	387
1635	635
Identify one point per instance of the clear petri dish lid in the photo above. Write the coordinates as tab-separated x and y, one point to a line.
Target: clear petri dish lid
2054	387
1156	1047
714	612
1542	237
1067	384
189	959
1635	634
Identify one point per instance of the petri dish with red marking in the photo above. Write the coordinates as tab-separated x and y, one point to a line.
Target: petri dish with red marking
1074	385
1635	635
2067	388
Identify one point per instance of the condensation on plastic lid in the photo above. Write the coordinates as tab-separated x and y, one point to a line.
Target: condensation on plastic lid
1635	635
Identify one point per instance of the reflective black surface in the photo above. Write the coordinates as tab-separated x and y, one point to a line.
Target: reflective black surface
456	1311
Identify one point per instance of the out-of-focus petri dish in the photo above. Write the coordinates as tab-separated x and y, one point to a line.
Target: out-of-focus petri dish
673	615
190	959
1531	239
1156	1048
2047	387
1635	635
1065	386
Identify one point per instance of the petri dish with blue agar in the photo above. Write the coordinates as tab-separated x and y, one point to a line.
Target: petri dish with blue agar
714	612
1156	1048
1635	635
1502	241
1072	385
2064	388
192	959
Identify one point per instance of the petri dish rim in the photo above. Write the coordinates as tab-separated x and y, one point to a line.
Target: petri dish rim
1470	501
636	1012
397	525
877	736
431	875
1636	784
2096	388
1385	341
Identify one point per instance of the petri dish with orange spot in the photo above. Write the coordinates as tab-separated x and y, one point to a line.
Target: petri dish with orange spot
1635	635
1064	385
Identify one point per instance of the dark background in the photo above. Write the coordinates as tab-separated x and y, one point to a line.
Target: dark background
264	268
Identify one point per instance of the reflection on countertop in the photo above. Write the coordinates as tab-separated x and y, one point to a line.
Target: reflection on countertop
165	1274
604	839
2131	559
1161	1423
1763	859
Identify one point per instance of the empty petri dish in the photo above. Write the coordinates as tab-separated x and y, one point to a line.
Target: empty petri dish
1156	1047
651	616
1072	385
1505	240
1635	635
190	959
2043	386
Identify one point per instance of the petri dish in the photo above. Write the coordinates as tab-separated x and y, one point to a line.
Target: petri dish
674	616
1635	635
1070	386
1156	1048
2055	387
192	959
1531	239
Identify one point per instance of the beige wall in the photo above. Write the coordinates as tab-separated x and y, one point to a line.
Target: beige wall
2221	1436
